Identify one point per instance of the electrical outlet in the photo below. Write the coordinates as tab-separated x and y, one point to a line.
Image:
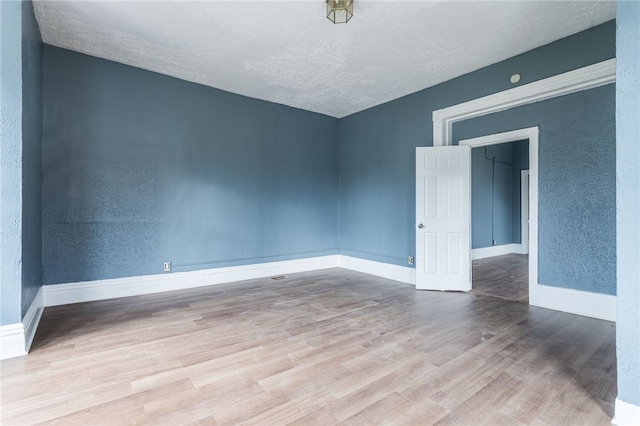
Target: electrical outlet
410	260
166	267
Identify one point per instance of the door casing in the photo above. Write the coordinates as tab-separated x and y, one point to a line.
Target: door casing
524	208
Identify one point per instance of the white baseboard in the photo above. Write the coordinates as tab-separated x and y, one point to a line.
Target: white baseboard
573	301
63	294
12	341
595	305
626	414
379	269
32	319
16	339
86	291
484	252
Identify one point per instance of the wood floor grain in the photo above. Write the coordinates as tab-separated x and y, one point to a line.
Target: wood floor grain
318	348
504	276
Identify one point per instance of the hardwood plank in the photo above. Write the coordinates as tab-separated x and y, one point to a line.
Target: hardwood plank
505	276
321	417
389	410
291	410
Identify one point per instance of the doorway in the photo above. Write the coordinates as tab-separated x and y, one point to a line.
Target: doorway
488	268
499	220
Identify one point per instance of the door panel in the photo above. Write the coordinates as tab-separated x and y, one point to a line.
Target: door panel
443	209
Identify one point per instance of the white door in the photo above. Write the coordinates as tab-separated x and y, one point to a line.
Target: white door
443	218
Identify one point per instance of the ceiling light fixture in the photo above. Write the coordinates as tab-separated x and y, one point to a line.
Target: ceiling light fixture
339	11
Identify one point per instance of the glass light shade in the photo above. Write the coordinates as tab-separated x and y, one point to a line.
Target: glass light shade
339	11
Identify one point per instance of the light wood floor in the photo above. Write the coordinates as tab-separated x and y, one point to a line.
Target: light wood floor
323	348
502	276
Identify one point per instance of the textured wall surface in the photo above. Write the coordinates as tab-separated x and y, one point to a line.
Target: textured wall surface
10	161
577	200
377	146
140	168
502	208
31	157
628	191
520	162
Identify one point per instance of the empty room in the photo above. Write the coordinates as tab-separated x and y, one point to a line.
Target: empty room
320	212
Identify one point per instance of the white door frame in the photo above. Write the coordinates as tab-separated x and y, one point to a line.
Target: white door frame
585	78
530	133
524	207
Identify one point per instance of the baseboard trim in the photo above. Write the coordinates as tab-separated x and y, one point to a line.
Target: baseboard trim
63	294
12	341
595	305
16	339
32	319
86	291
484	252
379	269
626	414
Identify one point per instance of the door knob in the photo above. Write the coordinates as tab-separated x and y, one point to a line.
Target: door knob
420	226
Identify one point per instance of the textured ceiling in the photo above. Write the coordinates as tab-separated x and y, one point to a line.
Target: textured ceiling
288	52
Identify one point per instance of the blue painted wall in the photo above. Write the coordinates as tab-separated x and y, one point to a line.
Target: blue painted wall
520	162
20	159
499	209
577	203
10	162
141	168
31	157
377	146
491	196
628	192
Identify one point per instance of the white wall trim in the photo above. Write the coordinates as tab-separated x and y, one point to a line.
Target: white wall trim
32	319
595	305
62	294
519	249
484	252
379	269
524	211
626	414
15	339
573	301
12	341
585	78
86	291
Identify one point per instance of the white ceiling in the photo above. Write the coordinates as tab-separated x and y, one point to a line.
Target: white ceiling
289	53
